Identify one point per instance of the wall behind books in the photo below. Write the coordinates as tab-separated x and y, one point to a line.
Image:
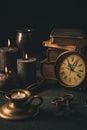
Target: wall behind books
43	16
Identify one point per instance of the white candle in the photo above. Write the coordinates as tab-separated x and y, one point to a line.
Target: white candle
18	95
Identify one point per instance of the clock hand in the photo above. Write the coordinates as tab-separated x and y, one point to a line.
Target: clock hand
69	65
74	64
76	71
69	69
72	70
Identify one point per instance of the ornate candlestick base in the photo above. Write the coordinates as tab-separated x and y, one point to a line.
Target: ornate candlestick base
11	111
21	105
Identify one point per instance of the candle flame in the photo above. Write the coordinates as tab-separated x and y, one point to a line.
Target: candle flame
20	36
19	93
26	56
6	69
8	43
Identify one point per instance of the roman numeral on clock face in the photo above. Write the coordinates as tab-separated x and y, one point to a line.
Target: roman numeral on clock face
79	75
65	77
80	70
72	58
62	73
79	65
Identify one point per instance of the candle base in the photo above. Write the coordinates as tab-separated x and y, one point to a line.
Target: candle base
16	113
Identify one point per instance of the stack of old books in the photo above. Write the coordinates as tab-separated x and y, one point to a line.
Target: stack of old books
60	40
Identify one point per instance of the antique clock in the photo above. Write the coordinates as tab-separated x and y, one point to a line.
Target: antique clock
70	69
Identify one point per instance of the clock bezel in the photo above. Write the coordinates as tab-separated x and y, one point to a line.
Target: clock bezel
58	63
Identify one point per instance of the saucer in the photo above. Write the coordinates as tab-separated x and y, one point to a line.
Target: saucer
8	111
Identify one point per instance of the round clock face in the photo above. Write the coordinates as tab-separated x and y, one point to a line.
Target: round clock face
70	69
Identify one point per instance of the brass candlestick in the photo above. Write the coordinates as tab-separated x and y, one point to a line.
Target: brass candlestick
20	105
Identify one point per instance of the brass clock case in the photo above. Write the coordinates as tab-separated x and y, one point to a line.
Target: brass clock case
70	69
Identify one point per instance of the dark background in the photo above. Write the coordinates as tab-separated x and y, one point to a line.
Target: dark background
40	15
43	16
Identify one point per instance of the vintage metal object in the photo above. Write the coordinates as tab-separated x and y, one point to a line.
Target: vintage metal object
24	40
10	111
20	106
63	105
70	69
69	110
61	41
67	99
56	70
58	103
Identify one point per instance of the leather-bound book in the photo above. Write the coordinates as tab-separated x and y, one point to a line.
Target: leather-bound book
47	69
66	37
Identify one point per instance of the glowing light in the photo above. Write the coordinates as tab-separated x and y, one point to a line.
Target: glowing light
6	69
19	93
28	30
26	56
8	43
20	36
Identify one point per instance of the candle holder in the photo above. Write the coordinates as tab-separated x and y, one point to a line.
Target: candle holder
20	104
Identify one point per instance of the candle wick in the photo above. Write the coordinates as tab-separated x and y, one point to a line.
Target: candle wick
8	43
8	47
6	70
6	73
26	57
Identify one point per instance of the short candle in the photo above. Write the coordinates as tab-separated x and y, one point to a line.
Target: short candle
7	79
18	95
26	69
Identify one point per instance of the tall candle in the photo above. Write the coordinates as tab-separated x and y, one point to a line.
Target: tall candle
8	56
26	69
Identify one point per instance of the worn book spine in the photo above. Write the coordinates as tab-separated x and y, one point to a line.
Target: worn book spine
52	54
56	46
47	69
79	42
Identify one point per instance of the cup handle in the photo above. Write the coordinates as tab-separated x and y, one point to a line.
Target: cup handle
36	97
